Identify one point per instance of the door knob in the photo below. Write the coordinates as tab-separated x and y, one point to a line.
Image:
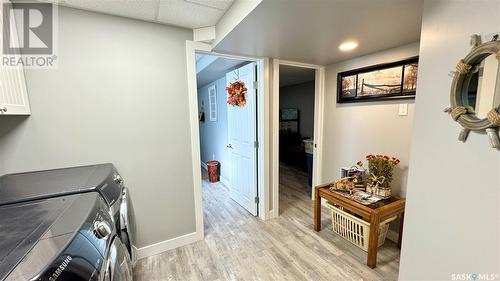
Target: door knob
3	110
229	146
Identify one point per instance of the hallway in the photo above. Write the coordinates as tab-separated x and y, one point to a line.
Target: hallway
238	246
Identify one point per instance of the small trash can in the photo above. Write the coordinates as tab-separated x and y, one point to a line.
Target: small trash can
213	170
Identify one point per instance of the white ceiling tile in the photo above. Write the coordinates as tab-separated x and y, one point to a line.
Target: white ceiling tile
187	14
143	9
222	5
183	13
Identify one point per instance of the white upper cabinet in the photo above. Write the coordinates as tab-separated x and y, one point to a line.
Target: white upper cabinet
13	92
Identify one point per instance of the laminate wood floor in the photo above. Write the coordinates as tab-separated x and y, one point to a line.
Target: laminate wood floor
238	246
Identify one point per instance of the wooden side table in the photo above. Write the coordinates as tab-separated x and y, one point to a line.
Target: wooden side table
374	213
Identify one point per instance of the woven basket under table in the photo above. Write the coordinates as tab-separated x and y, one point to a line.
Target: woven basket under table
356	230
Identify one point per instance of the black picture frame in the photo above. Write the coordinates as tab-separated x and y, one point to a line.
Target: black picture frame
356	96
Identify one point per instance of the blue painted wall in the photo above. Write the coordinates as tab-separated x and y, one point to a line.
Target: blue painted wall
213	134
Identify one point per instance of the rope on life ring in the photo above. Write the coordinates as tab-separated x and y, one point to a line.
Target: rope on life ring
494	117
463	68
458	111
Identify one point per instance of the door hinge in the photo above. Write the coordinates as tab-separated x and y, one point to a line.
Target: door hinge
257	199
256	144
256	84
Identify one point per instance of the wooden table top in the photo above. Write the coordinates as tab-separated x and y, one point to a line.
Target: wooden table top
381	206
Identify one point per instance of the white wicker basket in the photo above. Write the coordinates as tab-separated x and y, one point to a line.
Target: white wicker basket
356	230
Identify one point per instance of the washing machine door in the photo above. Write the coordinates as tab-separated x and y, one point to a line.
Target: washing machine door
118	264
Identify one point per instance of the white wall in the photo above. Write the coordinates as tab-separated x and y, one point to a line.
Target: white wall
300	96
119	95
453	200
353	130
213	135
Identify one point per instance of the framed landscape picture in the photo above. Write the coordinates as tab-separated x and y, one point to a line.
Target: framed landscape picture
395	80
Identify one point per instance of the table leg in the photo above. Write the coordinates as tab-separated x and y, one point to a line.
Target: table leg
400	238
373	241
317	210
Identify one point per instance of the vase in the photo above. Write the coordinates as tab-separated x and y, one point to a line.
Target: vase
373	187
384	192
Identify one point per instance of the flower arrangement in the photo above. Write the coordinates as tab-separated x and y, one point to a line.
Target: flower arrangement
236	93
381	168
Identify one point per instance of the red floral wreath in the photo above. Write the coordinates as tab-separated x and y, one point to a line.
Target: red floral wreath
236	93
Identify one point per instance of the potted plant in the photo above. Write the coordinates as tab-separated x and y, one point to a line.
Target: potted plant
381	169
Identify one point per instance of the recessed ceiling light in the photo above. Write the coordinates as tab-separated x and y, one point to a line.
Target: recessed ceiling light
348	45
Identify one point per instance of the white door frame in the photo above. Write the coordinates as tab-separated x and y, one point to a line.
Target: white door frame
263	137
319	95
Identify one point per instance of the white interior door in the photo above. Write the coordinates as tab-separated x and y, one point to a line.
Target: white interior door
242	137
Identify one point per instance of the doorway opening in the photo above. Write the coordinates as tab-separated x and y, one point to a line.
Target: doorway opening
297	118
227	95
296	134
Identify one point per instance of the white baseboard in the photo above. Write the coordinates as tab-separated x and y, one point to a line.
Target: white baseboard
166	245
134	255
392	235
224	181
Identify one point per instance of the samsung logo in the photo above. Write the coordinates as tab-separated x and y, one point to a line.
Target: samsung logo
60	269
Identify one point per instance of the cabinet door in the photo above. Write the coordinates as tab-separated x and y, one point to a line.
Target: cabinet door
13	93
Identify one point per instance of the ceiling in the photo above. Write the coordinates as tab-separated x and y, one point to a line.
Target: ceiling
292	75
210	68
311	31
183	13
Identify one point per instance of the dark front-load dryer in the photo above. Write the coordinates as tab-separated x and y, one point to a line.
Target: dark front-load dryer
102	179
70	237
